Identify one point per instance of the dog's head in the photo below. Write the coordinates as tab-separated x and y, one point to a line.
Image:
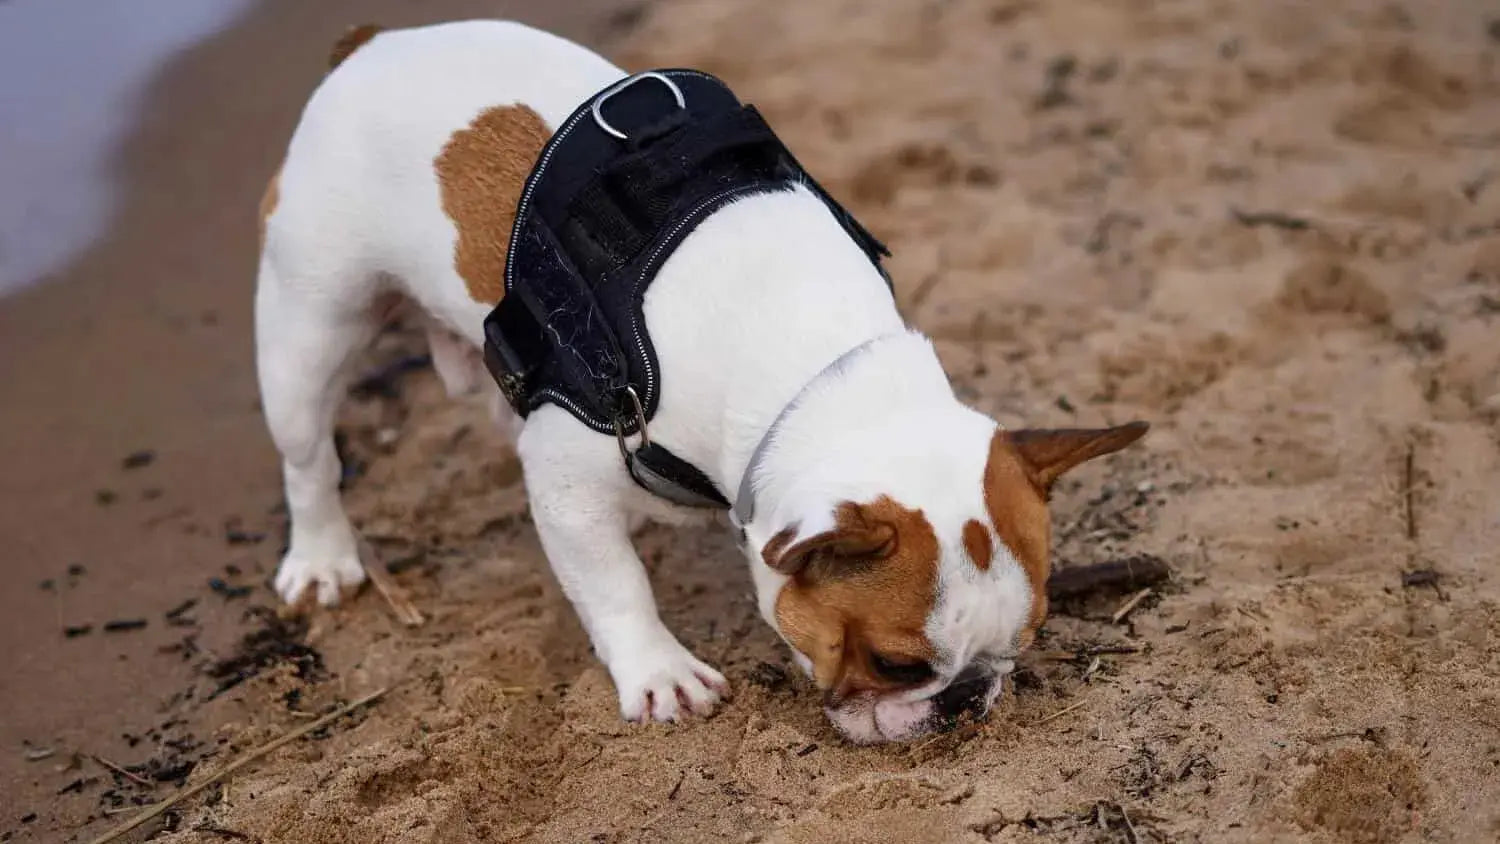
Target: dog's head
907	586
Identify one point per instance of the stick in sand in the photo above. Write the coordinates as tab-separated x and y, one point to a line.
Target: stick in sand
1129	827
406	612
141	781
253	755
1058	714
1129	605
1134	572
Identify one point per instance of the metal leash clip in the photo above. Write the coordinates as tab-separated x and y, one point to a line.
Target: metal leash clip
660	472
640	420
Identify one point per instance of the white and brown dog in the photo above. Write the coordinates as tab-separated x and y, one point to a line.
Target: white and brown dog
900	542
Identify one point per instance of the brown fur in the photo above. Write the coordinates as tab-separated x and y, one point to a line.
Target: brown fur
774	549
1018	477
865	587
1051	451
352	39
1018	510
977	543
268	201
481	172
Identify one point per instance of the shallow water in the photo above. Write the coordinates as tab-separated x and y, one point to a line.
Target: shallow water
72	77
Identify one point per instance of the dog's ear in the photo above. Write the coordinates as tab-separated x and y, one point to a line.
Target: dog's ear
853	541
1049	452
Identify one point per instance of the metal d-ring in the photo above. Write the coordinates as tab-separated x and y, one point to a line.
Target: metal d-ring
640	422
622	85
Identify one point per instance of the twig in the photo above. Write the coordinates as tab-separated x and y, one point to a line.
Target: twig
252	756
1134	572
1098	650
1129	605
1415	577
1089	672
1090	650
37	754
1269	218
1370	734
1129	827
138	780
1061	712
222	832
406	612
1411	510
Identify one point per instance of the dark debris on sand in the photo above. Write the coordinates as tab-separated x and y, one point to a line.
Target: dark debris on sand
275	643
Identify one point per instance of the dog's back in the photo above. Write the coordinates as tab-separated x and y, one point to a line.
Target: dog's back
407	160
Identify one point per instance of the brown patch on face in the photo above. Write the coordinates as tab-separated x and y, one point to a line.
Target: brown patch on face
268	202
864	588
1019	475
1018	510
481	172
352	39
977	543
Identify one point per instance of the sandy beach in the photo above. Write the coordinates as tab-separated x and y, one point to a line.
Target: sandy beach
1272	229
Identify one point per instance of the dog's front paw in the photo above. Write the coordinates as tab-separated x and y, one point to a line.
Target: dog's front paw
329	574
663	681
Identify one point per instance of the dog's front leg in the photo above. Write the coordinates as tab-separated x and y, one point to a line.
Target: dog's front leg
578	492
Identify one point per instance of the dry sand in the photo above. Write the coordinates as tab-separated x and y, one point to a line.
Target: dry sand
1271	228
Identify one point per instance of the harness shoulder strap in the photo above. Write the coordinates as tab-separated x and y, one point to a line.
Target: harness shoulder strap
621	183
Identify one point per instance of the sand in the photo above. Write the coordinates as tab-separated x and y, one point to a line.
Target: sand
1272	229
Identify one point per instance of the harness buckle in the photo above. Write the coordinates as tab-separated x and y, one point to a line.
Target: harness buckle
640	421
598	106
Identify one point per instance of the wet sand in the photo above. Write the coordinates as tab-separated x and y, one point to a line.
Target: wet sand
142	343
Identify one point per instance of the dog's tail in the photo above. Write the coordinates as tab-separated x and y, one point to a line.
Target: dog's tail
353	38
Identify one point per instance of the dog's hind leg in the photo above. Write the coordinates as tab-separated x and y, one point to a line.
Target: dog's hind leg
306	331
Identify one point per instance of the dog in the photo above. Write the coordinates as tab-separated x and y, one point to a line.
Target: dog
900	539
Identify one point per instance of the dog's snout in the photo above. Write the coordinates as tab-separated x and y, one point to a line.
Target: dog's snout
968	694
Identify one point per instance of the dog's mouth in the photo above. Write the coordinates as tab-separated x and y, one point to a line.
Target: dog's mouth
871	718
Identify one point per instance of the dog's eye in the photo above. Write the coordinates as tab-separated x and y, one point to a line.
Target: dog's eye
902	670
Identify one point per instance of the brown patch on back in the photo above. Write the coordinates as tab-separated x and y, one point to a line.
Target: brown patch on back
268	202
352	39
977	543
1018	510
481	172
842	605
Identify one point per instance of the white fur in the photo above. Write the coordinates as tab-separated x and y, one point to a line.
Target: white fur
752	305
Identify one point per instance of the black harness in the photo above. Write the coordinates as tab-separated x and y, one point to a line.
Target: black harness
612	195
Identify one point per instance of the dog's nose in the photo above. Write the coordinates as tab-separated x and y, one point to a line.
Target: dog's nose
966	695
